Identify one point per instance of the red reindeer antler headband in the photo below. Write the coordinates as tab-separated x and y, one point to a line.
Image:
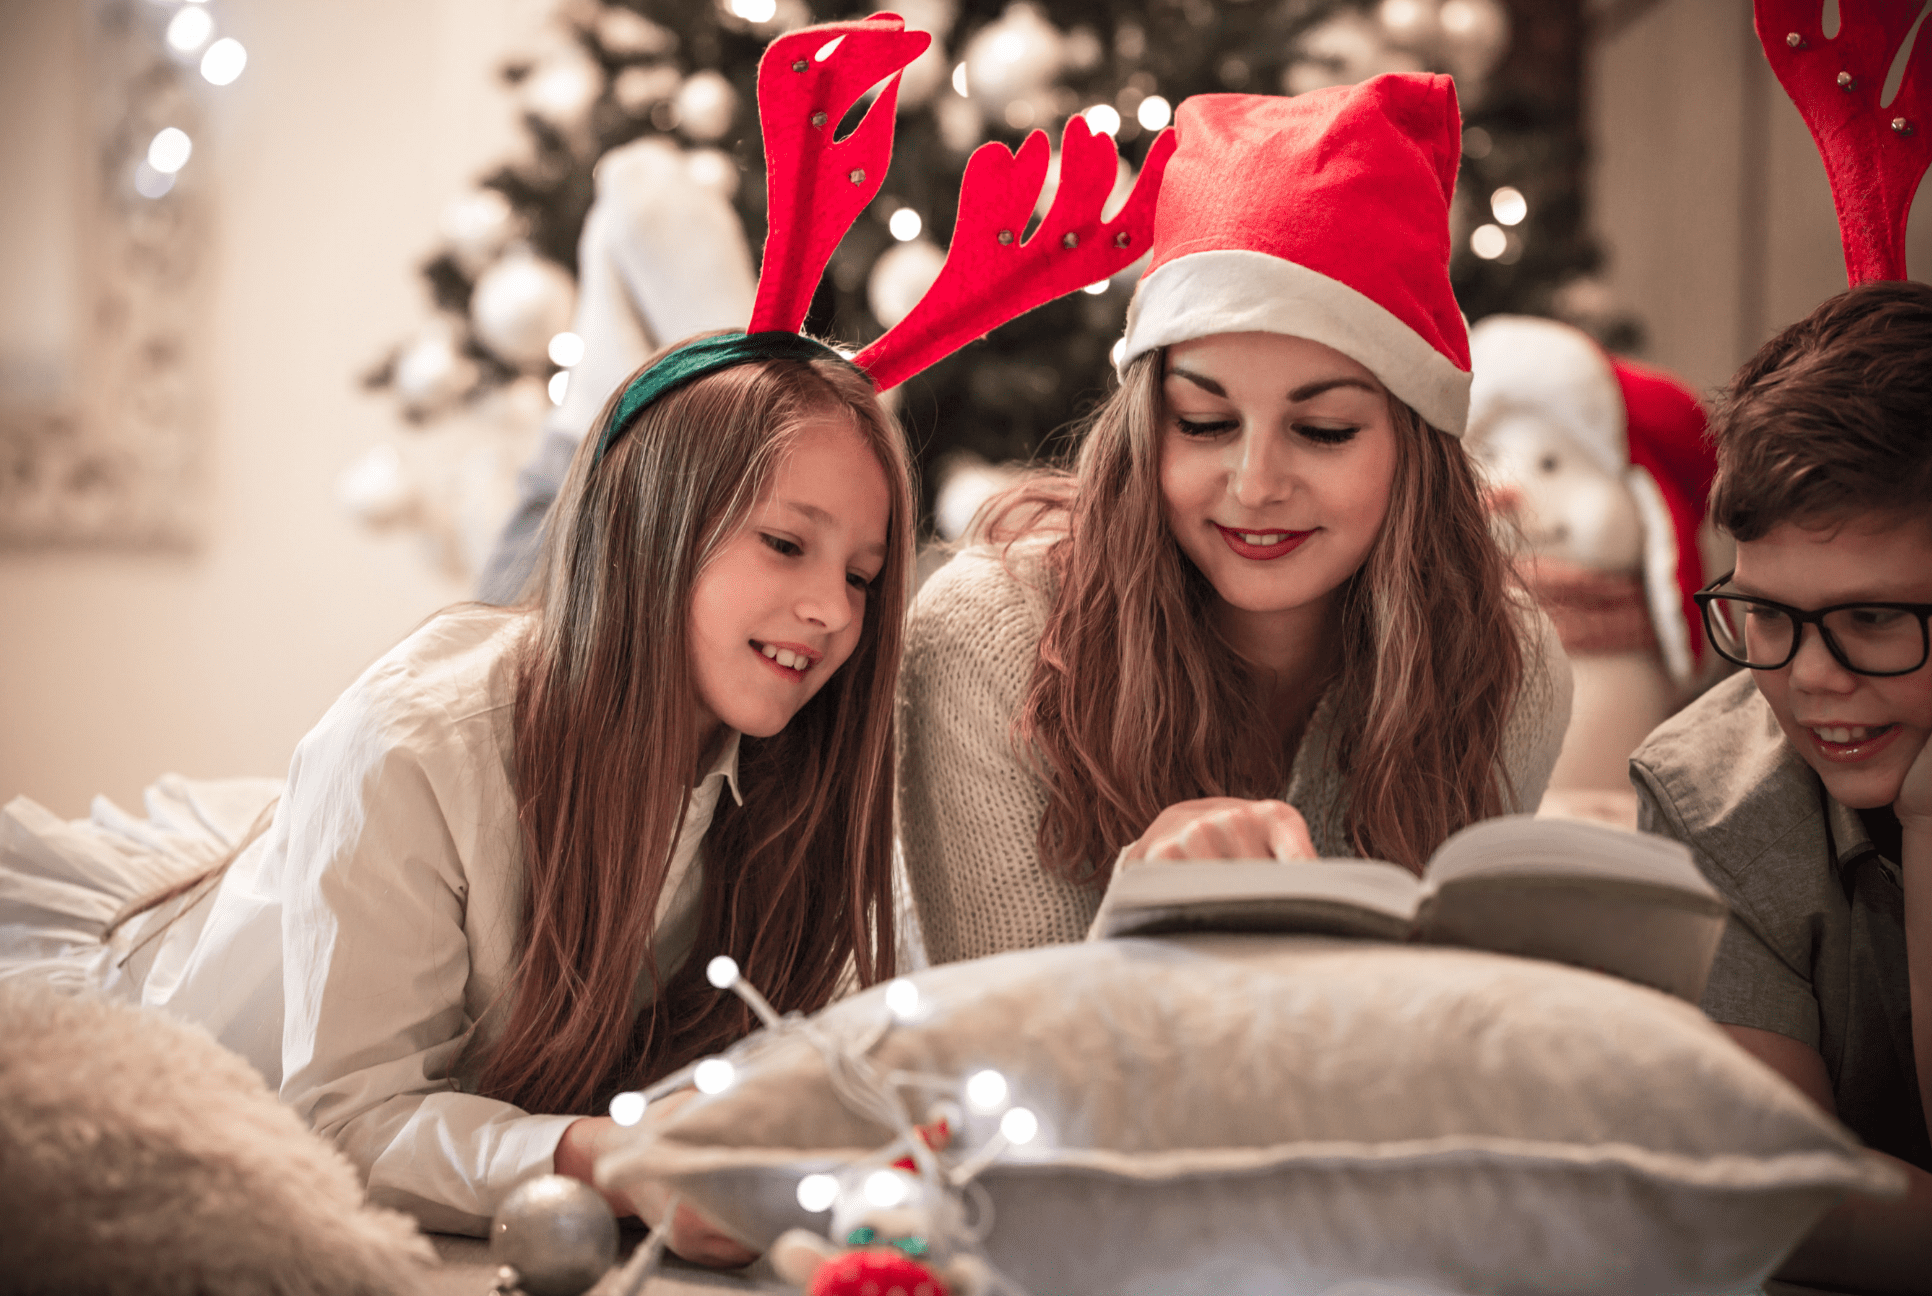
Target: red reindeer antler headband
816	186
1875	148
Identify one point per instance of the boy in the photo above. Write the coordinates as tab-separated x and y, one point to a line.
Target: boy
1804	783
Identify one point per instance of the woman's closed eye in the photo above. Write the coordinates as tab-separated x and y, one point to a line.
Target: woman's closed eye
1327	435
790	548
1205	427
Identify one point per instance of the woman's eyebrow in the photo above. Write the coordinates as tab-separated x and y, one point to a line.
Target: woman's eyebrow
1202	381
1308	391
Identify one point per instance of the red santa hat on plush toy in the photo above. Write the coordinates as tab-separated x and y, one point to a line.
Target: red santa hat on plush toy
1638	424
1323	216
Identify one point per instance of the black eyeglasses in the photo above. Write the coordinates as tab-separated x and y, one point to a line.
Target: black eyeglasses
1865	638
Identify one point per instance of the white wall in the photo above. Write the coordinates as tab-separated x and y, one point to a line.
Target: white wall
1708	193
355	121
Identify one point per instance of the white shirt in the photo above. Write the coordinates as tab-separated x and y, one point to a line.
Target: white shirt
355	950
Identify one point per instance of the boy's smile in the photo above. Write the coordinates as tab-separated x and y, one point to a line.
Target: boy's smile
1860	732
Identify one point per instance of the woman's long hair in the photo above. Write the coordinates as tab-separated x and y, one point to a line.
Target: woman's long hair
797	881
1137	701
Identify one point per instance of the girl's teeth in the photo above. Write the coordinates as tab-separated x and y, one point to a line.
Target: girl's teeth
1263	539
769	651
1845	733
786	659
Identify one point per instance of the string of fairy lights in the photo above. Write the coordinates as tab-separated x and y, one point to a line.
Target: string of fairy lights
191	36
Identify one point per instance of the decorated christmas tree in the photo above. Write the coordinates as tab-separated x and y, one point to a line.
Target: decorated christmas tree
607	74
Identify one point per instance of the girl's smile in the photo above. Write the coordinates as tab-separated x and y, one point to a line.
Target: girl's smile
791	660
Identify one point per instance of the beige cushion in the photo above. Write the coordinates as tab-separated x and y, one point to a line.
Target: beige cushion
139	1156
1284	1114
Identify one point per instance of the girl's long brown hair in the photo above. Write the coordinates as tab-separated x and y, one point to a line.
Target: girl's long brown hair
1137	701
797	881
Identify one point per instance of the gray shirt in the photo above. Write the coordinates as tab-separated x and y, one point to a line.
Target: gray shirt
1815	946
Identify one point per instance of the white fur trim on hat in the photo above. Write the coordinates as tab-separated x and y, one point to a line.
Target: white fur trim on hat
1522	362
1232	290
1665	598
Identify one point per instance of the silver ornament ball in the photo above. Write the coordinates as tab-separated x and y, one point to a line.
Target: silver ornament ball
557	1233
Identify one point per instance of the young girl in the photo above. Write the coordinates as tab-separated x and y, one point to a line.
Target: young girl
1269	573
504	856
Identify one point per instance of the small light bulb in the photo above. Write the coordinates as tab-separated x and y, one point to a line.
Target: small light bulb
886	1189
714	1075
755	11
1509	205
566	349
817	1192
1154	112
224	61
559	384
1095	289
627	1108
1019	1125
959	80
190	29
1104	119
902	998
905	224
986	1091
1488	241
170	150
722	971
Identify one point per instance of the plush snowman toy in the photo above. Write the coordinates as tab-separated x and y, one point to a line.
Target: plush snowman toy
1600	466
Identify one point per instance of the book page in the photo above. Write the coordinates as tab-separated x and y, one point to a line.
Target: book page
1522	845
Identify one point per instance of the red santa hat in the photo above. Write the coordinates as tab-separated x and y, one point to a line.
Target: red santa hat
1323	216
1639	424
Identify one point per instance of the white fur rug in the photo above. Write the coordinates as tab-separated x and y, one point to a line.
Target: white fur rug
139	1157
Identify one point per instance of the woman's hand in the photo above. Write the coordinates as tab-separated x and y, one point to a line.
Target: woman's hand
693	1237
1224	828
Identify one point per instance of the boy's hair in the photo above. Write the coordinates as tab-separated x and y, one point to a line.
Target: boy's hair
1832	419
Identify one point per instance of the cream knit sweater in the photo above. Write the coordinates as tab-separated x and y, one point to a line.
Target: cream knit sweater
970	809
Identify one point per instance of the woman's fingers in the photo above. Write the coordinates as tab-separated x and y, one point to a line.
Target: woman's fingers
1225	828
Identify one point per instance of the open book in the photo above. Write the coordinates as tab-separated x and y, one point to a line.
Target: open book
1625	903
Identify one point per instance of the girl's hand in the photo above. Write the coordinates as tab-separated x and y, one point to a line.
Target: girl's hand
693	1237
1224	828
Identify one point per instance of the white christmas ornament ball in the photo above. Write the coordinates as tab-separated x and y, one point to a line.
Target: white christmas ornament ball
431	372
637	89
1474	35
900	278
478	225
705	105
629	34
561	89
1011	57
378	490
519	304
712	169
557	1233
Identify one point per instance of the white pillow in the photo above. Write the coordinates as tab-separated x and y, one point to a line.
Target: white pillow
139	1156
1266	1114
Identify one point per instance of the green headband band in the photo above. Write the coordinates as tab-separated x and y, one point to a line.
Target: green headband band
706	355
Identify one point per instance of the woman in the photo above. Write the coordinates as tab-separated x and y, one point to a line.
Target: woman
1264	613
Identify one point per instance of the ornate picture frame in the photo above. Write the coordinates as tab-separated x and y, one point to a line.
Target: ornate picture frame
108	455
